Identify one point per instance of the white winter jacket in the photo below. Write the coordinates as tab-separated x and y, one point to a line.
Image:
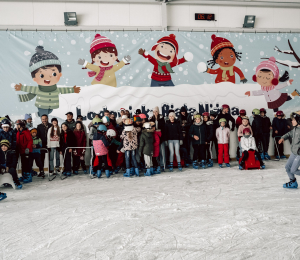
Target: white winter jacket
223	135
248	143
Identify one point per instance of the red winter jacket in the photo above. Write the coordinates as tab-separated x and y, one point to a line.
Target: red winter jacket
80	142
24	140
157	136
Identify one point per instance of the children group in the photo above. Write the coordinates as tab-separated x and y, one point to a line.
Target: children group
140	144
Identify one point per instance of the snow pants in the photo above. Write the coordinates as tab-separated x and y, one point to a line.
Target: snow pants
292	166
223	152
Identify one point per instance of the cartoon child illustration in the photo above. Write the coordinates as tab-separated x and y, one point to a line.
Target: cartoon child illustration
104	54
166	51
267	76
45	69
224	54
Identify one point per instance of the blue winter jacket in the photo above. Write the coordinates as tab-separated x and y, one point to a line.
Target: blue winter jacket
10	136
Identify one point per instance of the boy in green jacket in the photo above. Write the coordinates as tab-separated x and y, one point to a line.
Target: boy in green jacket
45	69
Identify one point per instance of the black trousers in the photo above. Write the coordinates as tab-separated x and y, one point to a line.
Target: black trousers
14	174
77	162
67	160
279	146
207	151
26	163
199	152
215	141
259	143
155	161
101	160
37	158
43	155
187	142
265	142
246	156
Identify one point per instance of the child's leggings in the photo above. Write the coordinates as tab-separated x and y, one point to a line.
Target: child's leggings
174	144
223	151
292	166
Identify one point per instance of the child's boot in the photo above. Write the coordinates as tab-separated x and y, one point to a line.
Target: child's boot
203	164
2	196
179	167
195	164
262	156
210	163
132	171
151	170
282	157
27	178
227	164
267	156
137	172
127	173
148	172
99	173
157	170
220	165
107	173
171	167
291	185
117	169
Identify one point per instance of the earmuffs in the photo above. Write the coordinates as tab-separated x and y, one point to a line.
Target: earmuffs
274	81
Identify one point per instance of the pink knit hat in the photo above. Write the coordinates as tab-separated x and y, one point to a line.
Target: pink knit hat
269	64
100	42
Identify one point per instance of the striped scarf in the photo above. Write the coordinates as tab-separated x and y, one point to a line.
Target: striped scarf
100	74
268	88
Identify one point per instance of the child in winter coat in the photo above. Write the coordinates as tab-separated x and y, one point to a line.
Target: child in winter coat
53	145
113	147
245	124
130	143
174	139
67	139
79	153
248	144
238	122
266	124
213	118
226	115
101	145
209	136
293	163
280	128
199	140
36	152
8	161
146	147
24	146
267	76
257	128
223	136
156	148
104	55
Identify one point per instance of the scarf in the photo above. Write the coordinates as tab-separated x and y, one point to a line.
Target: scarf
166	64
30	96
100	74
225	69
268	88
246	136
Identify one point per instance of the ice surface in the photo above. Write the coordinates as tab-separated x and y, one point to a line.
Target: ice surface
197	214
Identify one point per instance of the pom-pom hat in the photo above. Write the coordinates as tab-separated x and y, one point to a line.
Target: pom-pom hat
100	42
219	43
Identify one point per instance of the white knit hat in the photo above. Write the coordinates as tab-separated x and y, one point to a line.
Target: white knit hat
156	109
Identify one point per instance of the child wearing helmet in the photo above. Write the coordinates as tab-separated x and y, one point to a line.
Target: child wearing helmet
130	145
101	144
113	147
267	126
223	136
146	147
8	133
257	127
248	144
293	163
279	125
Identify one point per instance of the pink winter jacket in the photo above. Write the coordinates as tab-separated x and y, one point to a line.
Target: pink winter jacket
157	136
241	129
223	135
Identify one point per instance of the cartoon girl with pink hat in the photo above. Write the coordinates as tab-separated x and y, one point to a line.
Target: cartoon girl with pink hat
104	55
166	51
267	76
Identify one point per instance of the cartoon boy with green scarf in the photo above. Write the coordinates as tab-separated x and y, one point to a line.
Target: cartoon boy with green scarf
166	51
45	69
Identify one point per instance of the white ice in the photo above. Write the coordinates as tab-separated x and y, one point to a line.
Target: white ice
195	214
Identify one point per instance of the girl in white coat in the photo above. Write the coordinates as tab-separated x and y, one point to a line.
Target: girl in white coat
248	144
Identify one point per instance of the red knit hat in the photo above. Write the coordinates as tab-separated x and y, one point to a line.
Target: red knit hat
170	39
100	42
218	43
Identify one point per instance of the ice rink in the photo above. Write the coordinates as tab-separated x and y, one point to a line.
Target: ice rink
195	214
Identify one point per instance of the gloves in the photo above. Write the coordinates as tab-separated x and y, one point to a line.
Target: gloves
81	62
244	80
181	142
127	58
27	153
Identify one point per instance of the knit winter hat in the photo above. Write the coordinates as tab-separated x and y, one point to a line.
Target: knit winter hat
27	116
269	64
100	42
218	43
128	125
156	109
197	116
33	130
42	58
54	119
138	119
5	142
183	109
169	39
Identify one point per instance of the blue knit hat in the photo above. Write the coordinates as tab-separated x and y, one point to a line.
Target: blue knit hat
27	116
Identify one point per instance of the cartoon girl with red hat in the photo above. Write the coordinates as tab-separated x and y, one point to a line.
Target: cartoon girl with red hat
166	51
224	54
104	55
267	76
